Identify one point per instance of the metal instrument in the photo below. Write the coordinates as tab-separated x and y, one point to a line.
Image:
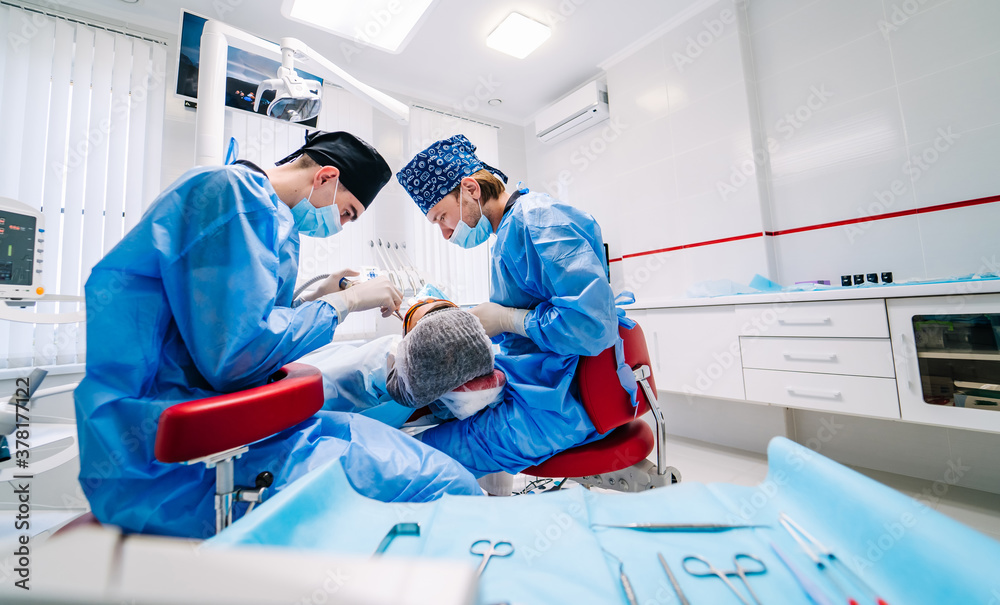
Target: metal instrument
399	529
739	570
678	527
488	550
808	586
821	555
673	580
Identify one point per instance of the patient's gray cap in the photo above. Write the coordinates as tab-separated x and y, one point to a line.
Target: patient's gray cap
446	349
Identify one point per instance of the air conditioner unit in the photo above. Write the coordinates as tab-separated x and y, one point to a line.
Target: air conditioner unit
578	111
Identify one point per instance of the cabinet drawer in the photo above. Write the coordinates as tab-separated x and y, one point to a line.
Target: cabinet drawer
849	318
859	395
856	356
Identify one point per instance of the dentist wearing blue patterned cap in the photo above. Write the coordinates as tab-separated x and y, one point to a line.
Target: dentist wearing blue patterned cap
550	303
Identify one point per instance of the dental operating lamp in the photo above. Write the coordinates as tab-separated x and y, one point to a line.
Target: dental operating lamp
296	99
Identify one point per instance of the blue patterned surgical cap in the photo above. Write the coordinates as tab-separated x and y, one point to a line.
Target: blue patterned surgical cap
436	171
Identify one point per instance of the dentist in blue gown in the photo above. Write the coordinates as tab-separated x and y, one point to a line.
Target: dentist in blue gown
196	300
550	303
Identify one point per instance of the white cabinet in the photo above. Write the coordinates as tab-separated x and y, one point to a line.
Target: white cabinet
849	356
858	395
827	356
696	350
945	351
927	359
842	318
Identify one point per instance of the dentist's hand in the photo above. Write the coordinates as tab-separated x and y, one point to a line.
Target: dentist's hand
498	318
329	285
378	293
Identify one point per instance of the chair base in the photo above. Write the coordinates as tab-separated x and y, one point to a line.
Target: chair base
639	477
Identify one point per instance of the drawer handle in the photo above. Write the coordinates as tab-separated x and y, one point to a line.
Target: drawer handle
811	356
813	393
805	321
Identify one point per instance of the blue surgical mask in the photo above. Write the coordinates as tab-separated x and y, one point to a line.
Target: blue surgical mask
317	222
470	237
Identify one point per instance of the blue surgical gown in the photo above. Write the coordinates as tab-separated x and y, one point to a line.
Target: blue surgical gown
195	301
548	257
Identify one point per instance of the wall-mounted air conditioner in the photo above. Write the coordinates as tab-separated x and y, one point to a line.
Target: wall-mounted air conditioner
575	113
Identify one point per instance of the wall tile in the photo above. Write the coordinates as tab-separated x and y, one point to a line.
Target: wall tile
718	68
855	70
738	261
722	115
946	36
961	241
886	245
812	31
962	98
965	171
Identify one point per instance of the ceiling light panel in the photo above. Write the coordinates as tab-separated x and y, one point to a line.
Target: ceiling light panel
518	36
384	24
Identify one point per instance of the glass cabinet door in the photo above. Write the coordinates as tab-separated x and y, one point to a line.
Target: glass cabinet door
958	358
947	355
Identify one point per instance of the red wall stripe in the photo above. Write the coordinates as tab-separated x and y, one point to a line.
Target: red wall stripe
853	221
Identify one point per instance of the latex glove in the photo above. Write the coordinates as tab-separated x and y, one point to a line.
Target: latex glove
498	318
329	285
378	293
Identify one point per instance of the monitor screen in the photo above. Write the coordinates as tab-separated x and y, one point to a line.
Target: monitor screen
245	70
17	248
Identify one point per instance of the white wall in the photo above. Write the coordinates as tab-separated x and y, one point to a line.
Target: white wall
909	119
790	115
771	116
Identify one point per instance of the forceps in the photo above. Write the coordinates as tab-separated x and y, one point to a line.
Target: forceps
709	570
490	549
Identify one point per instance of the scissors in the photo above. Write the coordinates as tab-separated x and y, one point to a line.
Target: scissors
490	549
706	569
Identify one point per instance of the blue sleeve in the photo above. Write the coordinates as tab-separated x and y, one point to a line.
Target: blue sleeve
509	437
577	315
221	287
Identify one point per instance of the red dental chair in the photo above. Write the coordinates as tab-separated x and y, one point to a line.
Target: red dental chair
618	461
218	430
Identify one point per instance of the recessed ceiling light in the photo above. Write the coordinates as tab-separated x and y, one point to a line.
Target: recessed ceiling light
385	25
518	36
495	102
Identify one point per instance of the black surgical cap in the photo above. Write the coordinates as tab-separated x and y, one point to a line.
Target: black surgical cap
363	171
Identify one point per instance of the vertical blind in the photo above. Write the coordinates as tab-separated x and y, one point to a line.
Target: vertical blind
81	125
463	274
264	141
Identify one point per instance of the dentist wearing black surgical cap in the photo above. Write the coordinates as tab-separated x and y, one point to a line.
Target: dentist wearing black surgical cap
196	300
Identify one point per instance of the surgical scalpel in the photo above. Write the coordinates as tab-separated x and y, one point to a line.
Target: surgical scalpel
678	527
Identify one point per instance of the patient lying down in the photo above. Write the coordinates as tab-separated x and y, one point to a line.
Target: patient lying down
435	362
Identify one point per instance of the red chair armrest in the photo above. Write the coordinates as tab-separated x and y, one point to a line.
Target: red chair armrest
203	427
